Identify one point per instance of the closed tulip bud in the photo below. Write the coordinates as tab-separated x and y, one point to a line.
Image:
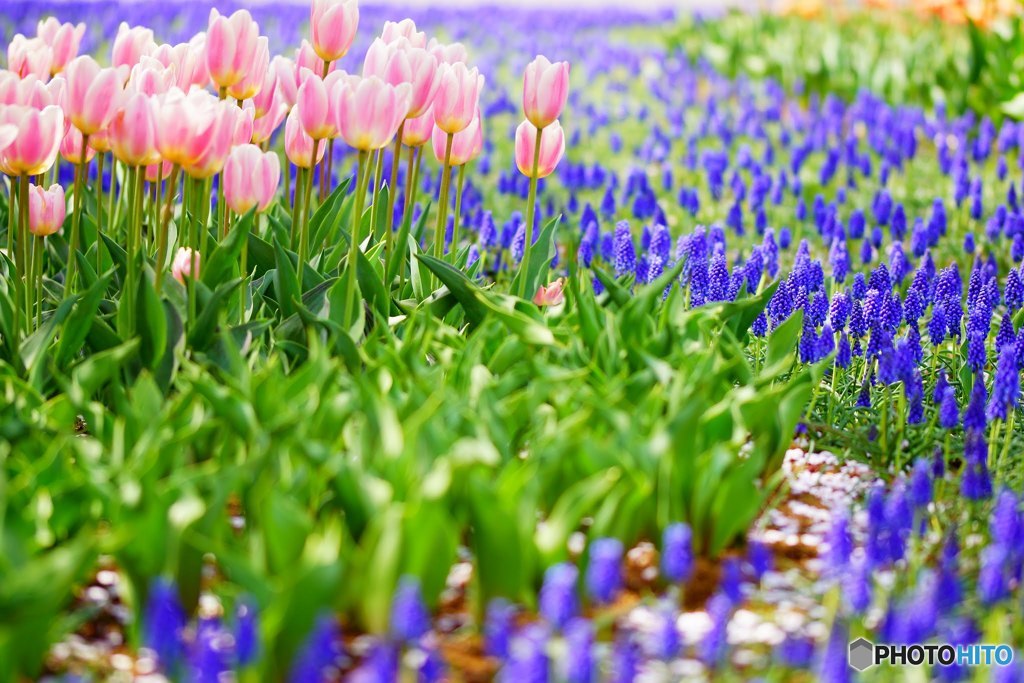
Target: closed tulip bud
133	132
452	53
35	147
457	95
151	77
419	130
297	143
46	210
370	111
30	91
545	90
63	40
264	126
186	61
158	172
406	28
550	295
398	62
29	57
253	80
185	264
307	58
92	94
131	44
242	131
333	25
466	144
250	179
71	147
266	97
182	123
315	108
231	44
287	79
100	141
552	147
210	151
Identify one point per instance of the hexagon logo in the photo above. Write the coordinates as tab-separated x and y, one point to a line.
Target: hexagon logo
862	654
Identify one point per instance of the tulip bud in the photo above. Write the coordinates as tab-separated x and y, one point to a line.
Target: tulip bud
132	133
552	147
297	143
545	90
369	112
92	94
466	144
183	263
29	57
231	44
63	40
333	25
457	97
131	44
35	146
46	210
250	179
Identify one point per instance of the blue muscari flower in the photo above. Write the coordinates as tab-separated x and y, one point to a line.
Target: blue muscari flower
785	238
826	342
940	386
839	259
718	278
528	659
992	580
759	558
1006	386
732	579
843	353
857	224
1017	248
607	247
488	231
833	667
937	325
580	662
643	268
661	243
519	243
625	658
712	648
246	633
914	391
320	652
949	411
1005	523
974	415
864	397
857	587
898	226
975	483
625	253
920	489
808	345
880	279
1006	336
1013	293
913	307
976	352
795	652
410	619
882	207
759	328
677	558
558	599
801	210
473	255
604	570
839	310
608	203
969	246
163	622
499	625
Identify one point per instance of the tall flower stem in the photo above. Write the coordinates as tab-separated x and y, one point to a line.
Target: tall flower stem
195	194
307	198
531	204
40	248
76	219
442	202
411	176
25	250
128	290
392	193
297	205
351	281
327	163
458	211
378	179
112	192
14	239
165	219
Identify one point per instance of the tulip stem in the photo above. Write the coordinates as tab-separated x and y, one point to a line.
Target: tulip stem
297	205
194	194
99	211
14	239
458	211
39	249
378	179
76	219
161	239
362	178
111	194
410	177
531	204
442	202
392	193
128	290
307	199
25	249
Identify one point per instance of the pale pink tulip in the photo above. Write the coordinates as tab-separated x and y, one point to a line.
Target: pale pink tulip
151	77
63	40
457	97
184	260
231	44
550	295
266	96
183	124
29	57
314	107
133	132
250	179
297	143
30	91
552	147
264	126
242	130
307	58
333	25
131	44
211	150
545	90
417	131
100	141
399	62
406	28
7	134
46	210
251	83
452	53
71	147
158	172
370	111
287	79
92	94
37	142
466	144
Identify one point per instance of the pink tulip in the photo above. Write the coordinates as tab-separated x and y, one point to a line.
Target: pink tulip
63	40
307	58
131	44
188	61
552	147
71	147
398	62
29	57
257	73
313	104
287	79
551	295
417	131
297	143
37	142
30	91
333	25
183	123
452	53
46	210
457	97
231	44
99	141
92	94
250	179
7	134
266	96
370	111
406	28
133	132
466	144
151	77
211	150
545	89
158	172
181	266
264	126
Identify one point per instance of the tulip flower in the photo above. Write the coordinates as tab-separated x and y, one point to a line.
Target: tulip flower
266	97
151	77
333	25
8	133
30	91
417	131
185	264
369	112
210	151
250	179
133	132
264	126
71	147
183	122
552	147
92	94
406	28
63	40
398	62
298	146
452	53
545	90
550	295
253	80
307	58
457	96
29	57
314	107
131	44
287	74
37	142
231	45
46	210
466	144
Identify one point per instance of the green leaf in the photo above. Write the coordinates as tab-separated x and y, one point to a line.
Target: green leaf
224	260
540	261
